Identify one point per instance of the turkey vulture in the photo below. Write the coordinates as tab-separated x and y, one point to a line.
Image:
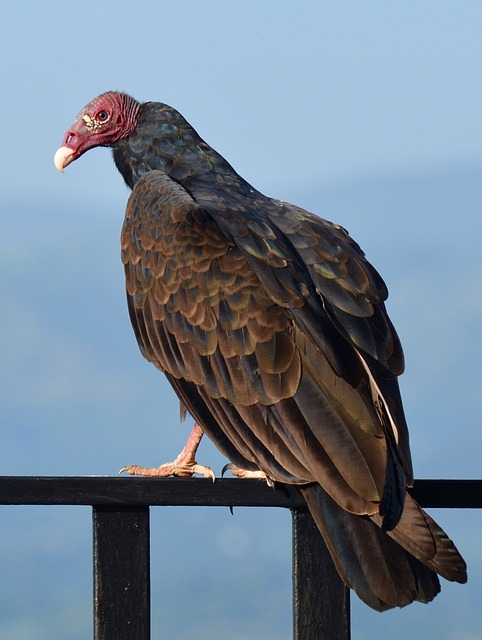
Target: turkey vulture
271	327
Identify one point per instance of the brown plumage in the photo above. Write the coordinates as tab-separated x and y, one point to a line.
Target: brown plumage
271	326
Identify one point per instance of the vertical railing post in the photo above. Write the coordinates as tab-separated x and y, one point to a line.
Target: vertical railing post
321	602
121	573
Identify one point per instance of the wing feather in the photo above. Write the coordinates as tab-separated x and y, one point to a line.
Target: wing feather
271	327
237	313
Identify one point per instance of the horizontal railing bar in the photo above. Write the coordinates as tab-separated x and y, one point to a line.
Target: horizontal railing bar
448	494
225	492
108	490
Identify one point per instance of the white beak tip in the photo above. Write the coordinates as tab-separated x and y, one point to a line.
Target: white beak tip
62	158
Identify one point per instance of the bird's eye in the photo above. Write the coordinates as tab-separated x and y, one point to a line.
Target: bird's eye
102	116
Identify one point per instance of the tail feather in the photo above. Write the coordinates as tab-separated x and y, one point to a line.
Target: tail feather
421	536
385	570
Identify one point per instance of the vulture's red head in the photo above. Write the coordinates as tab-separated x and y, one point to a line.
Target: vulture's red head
107	119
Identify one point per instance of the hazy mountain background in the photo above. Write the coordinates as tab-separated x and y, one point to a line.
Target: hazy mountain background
368	115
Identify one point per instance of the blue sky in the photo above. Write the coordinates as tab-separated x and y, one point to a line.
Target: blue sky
369	114
293	92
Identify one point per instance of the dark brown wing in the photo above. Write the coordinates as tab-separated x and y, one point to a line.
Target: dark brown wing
270	325
224	303
313	267
353	293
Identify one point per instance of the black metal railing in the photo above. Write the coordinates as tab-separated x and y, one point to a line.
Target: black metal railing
120	508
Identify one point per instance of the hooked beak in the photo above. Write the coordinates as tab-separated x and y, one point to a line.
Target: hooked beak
63	157
77	140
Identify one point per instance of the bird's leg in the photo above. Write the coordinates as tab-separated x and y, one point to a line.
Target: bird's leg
245	473
184	466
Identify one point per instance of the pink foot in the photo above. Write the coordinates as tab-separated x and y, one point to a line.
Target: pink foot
245	473
184	466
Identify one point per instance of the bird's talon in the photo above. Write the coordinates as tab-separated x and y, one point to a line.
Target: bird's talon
245	473
203	470
225	468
